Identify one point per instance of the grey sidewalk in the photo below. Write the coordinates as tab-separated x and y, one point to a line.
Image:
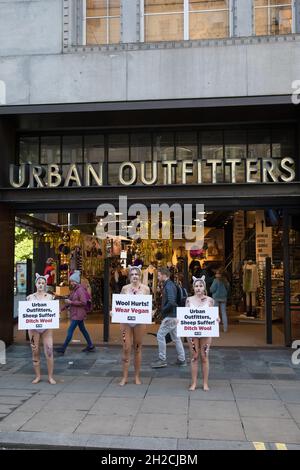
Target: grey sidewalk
254	397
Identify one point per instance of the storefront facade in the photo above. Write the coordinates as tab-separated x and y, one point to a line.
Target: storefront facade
189	119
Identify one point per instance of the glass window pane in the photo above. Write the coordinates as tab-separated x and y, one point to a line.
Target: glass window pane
96	31
283	143
114	7
96	8
164	28
186	146
113	174
114	30
118	148
65	169
50	150
163	6
271	18
196	5
94	148
29	150
141	148
164	148
103	8
259	144
72	149
214	24
271	2
281	20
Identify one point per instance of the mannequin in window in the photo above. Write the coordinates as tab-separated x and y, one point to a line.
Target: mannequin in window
150	278
250	285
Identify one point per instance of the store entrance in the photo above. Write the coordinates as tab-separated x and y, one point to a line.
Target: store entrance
235	243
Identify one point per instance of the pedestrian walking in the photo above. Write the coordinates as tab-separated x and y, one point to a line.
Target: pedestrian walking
78	304
220	289
169	321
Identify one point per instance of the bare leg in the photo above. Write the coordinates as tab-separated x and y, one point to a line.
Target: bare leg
48	350
138	334
126	332
194	354
205	345
35	348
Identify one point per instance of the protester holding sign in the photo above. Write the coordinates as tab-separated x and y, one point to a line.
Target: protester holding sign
199	345
133	331
46	335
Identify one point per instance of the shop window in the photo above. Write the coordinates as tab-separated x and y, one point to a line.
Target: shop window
72	149
273	17
50	150
164	146
212	149
93	148
177	20
235	143
102	21
29	150
208	19
140	148
186	146
163	20
118	150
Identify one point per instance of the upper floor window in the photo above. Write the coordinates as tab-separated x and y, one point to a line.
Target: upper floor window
102	21
272	17
177	20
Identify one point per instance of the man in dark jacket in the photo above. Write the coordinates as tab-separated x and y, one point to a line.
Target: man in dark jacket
169	322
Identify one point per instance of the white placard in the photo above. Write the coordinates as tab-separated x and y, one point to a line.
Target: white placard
132	309
198	322
38	315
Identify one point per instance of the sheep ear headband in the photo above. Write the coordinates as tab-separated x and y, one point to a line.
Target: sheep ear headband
38	276
202	279
131	268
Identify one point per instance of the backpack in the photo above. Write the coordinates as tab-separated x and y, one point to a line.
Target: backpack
181	296
88	306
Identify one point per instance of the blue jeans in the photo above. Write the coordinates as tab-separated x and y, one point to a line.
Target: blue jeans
71	329
221	304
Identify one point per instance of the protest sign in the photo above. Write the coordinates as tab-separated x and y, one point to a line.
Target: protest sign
38	315
132	309
198	322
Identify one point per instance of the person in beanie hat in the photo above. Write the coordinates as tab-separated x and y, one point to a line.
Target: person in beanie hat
77	303
46	335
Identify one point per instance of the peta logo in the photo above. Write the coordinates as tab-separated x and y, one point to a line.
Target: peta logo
2	353
2	92
296	355
296	92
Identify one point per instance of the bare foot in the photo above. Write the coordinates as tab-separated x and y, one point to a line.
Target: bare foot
138	381
36	380
51	381
123	382
192	388
206	388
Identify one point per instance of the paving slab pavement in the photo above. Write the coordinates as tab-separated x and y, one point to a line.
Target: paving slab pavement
88	409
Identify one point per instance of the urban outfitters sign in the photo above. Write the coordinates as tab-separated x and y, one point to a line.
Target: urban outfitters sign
209	171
